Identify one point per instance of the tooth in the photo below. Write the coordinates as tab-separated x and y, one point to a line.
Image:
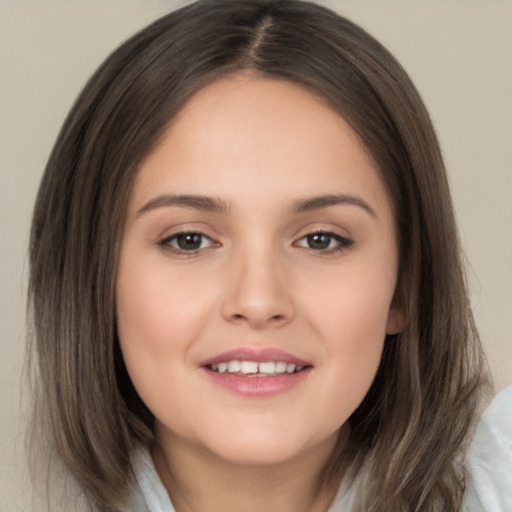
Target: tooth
290	367
267	367
233	366
280	367
248	367
259	369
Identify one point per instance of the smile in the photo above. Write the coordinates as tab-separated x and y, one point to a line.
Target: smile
256	372
255	369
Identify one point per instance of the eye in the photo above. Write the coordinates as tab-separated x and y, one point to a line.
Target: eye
324	241
187	242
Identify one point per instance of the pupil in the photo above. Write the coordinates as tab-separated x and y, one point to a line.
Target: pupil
319	241
189	241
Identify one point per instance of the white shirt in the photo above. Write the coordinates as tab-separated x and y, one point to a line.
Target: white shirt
489	469
152	495
489	461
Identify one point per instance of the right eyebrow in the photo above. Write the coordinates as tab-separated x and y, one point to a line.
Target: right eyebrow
195	202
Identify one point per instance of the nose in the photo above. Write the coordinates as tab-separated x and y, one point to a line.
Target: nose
258	292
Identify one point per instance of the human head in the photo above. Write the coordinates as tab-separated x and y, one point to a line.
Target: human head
116	122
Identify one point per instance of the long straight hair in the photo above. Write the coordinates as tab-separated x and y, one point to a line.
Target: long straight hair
409	433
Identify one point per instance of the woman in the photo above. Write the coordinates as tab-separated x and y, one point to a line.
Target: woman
242	186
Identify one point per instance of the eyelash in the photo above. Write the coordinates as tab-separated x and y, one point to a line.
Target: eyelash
166	243
342	243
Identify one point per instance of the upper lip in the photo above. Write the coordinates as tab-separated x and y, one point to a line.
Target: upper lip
258	355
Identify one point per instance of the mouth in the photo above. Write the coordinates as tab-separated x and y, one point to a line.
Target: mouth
255	369
257	372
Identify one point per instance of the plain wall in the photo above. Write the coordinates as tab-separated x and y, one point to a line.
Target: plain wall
459	53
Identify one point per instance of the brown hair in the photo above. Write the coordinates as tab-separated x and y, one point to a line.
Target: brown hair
408	434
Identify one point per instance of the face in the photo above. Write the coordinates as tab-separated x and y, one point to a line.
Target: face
257	271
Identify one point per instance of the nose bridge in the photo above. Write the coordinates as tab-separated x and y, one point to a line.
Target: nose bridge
257	293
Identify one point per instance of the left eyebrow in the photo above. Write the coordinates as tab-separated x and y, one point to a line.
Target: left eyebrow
319	202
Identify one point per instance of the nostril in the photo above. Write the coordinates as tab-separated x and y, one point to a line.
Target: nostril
237	317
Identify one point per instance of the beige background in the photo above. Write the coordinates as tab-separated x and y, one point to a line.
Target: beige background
459	53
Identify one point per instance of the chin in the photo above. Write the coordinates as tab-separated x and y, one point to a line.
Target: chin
257	454
264	448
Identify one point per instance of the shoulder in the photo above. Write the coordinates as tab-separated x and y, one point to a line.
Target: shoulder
489	460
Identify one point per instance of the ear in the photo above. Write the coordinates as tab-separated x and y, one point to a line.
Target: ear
396	319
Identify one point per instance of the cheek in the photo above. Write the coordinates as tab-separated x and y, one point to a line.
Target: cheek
351	317
157	311
353	306
157	322
143	316
155	332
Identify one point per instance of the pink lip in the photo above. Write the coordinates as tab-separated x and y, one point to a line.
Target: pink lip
258	355
251	386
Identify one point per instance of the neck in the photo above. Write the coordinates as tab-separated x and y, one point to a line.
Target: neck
200	481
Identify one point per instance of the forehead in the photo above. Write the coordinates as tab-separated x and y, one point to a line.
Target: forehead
260	135
271	110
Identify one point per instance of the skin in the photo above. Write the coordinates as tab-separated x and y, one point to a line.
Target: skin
260	147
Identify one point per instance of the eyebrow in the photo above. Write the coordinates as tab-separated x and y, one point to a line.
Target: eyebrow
319	202
216	205
202	203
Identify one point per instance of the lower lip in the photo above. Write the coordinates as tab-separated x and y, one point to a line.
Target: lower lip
257	386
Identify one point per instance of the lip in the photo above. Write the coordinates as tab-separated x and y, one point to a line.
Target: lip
259	355
252	386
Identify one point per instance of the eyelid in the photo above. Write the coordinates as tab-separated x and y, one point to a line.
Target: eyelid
343	242
166	245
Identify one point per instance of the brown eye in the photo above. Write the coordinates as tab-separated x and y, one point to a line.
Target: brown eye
319	241
187	242
324	241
